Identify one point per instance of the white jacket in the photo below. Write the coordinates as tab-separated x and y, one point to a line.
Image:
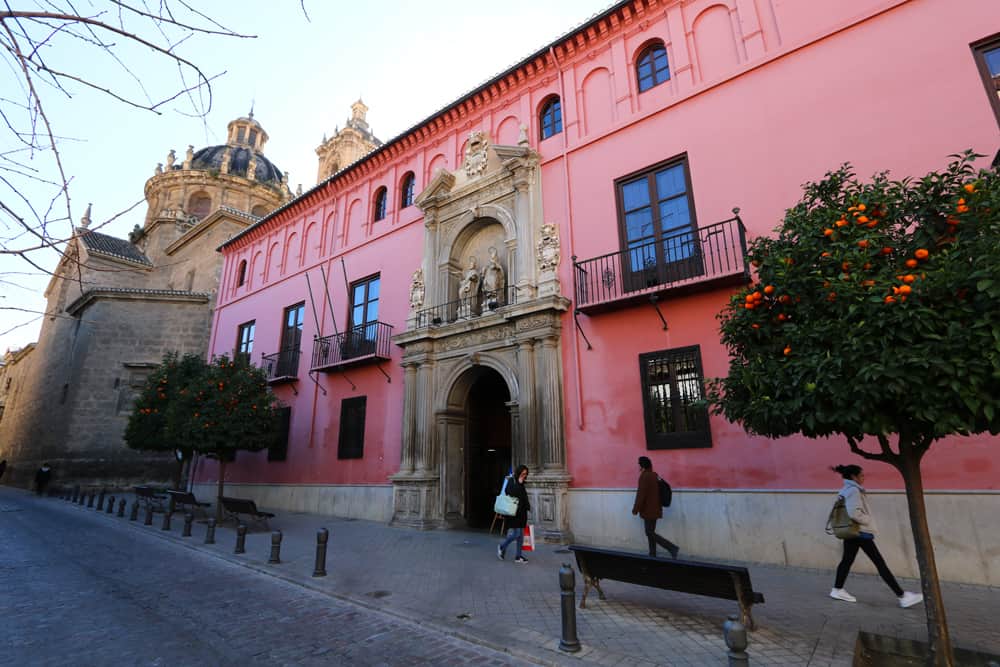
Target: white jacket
856	502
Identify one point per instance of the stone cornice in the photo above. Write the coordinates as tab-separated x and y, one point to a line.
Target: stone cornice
133	294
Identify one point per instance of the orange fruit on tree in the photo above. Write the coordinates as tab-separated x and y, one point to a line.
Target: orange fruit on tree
841	222
921	253
911	263
868	283
755	326
909	278
782	317
784	298
887	250
867	265
769	290
905	289
969	187
788	351
862	219
890	299
824	254
863	243
861	207
827	232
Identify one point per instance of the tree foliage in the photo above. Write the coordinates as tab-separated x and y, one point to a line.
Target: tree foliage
875	311
212	408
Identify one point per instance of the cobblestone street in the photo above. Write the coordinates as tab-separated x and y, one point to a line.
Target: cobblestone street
82	590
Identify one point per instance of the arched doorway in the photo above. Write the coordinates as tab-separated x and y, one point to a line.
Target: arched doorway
488	445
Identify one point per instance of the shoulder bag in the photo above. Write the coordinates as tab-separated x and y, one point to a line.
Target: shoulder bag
505	505
840	524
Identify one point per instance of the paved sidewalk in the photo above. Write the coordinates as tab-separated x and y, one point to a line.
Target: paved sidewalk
452	581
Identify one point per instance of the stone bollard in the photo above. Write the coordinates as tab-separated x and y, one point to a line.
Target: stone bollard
735	634
322	537
210	532
111	505
166	521
134	512
148	519
275	558
100	501
567	587
90	500
121	508
188	518
241	539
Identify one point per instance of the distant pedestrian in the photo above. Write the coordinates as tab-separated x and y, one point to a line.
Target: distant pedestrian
516	523
856	503
647	505
42	478
3	468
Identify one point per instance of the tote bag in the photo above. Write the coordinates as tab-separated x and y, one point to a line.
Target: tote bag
506	505
840	524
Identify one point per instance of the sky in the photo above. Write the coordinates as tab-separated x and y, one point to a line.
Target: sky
300	74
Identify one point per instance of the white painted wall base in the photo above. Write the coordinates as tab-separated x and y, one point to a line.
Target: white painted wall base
787	528
373	503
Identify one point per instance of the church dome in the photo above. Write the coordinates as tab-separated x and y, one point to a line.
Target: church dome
244	147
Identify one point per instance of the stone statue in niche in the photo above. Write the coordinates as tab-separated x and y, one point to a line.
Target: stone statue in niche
468	289
493	281
417	289
547	251
475	154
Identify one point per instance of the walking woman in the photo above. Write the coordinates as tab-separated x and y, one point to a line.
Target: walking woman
516	523
856	503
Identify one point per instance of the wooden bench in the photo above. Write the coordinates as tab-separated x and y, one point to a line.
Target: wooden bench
696	578
234	507
185	499
151	497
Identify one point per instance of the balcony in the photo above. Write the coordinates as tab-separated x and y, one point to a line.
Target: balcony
282	366
469	308
681	262
368	343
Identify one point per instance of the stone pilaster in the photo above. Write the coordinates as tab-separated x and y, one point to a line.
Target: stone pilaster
550	425
409	417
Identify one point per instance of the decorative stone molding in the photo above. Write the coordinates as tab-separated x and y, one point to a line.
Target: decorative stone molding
417	289
476	154
548	248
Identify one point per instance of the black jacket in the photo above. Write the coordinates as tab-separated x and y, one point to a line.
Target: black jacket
519	520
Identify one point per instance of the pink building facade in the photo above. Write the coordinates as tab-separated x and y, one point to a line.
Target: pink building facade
532	275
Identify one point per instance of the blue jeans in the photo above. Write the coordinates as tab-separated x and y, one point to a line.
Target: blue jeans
513	534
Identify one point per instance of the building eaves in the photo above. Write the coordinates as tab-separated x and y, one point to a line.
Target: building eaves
110	246
135	294
593	20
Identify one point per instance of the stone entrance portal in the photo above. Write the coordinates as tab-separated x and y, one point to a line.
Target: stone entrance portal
484	329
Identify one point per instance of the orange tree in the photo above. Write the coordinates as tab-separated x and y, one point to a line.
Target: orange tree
214	409
148	427
875	316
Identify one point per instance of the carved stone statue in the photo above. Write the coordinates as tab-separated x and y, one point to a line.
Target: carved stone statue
417	289
547	251
224	167
171	157
159	168
493	279
469	286
252	168
188	157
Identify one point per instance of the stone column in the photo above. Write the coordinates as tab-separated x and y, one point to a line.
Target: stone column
550	418
409	416
526	449
423	456
522	214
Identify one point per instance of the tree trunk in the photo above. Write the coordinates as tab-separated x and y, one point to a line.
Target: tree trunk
218	499
938	637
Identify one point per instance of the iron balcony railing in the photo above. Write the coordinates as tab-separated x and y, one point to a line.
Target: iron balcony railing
282	366
367	342
681	258
466	308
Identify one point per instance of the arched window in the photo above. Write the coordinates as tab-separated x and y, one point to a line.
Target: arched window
380	202
651	68
199	205
241	274
406	190
551	117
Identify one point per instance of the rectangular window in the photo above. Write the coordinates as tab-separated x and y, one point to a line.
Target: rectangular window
291	341
672	387
283	421
657	225
362	330
351	444
244	339
987	54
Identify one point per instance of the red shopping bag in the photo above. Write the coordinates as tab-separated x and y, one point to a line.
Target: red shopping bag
529	538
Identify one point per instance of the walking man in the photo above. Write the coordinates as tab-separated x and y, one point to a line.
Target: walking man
647	505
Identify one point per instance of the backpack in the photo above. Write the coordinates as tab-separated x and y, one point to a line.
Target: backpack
666	493
840	524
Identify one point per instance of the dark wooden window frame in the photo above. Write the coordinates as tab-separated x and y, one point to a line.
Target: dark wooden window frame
381	204
700	438
650	174
250	326
647	51
550	117
979	50
406	188
285	345
351	439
